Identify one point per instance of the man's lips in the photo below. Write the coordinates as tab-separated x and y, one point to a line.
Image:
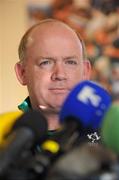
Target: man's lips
59	90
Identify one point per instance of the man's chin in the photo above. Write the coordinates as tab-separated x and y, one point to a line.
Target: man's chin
50	109
56	108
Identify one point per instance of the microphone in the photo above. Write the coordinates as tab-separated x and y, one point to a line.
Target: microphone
81	112
30	128
87	103
73	165
110	128
6	122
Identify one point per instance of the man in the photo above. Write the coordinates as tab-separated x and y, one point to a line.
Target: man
52	62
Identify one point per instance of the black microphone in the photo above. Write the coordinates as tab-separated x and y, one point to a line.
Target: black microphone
30	128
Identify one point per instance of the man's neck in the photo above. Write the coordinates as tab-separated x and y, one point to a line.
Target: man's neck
53	122
52	117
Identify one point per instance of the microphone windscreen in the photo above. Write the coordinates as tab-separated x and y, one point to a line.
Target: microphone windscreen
87	102
7	120
110	128
35	121
12	120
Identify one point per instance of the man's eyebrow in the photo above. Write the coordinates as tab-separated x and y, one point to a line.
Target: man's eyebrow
46	57
71	57
55	58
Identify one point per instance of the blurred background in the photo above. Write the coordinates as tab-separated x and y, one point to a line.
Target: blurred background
96	20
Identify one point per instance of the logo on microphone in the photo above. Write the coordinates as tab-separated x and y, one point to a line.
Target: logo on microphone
93	137
87	94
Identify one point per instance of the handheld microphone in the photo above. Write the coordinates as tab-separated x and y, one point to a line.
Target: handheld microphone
110	128
87	102
30	128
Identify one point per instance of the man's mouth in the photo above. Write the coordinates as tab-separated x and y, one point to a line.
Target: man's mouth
59	90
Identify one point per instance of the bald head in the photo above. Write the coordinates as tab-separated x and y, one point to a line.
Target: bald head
43	28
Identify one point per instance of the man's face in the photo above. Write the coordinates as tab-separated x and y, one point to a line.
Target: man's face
54	65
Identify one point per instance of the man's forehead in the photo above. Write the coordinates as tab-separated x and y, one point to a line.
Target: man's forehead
42	30
49	29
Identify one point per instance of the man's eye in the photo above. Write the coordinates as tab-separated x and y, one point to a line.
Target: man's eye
72	62
46	64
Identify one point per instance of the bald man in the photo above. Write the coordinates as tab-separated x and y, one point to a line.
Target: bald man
52	61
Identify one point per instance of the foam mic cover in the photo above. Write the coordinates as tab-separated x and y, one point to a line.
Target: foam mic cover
110	128
34	121
7	120
87	102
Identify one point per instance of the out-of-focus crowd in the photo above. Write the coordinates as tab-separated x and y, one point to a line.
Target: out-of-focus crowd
98	23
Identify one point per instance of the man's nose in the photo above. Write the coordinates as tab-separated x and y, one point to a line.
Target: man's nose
59	73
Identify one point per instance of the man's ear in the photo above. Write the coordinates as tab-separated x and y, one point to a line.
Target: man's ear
20	73
87	70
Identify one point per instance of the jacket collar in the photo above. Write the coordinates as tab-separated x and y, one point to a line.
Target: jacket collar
25	105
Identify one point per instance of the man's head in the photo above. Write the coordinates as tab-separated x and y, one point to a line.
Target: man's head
52	62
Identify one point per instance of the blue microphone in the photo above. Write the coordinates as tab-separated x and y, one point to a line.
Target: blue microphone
87	103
